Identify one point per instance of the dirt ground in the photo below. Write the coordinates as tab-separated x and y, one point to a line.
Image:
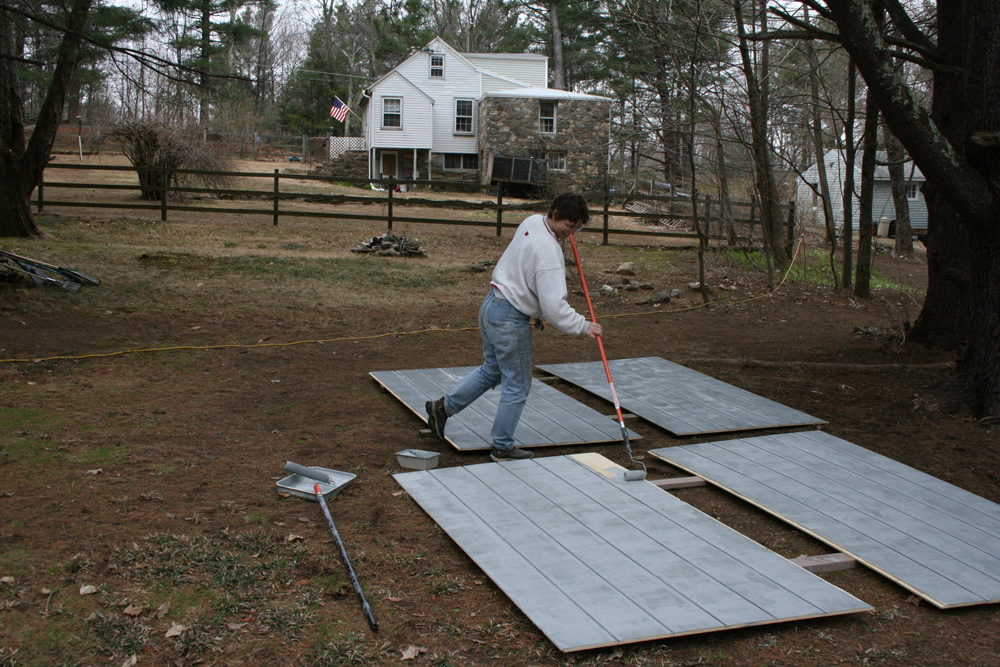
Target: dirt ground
138	508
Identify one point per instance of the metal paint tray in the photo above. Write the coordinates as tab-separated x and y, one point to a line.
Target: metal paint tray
302	487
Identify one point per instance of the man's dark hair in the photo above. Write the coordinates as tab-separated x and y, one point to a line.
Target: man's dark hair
570	207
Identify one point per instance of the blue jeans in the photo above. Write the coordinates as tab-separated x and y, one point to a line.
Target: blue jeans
506	333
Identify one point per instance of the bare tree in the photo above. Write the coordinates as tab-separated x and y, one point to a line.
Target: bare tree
896	157
757	92
955	147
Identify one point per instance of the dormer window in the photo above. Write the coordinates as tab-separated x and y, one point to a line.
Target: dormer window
437	65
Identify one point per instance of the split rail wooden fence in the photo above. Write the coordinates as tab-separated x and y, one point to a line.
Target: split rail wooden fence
664	216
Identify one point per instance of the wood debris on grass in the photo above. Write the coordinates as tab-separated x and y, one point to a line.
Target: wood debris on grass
390	245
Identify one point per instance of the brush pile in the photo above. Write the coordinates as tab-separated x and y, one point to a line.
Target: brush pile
390	245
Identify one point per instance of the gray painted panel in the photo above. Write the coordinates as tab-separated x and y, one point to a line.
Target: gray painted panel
678	399
593	560
549	417
931	537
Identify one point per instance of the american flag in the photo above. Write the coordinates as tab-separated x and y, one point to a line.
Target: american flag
339	110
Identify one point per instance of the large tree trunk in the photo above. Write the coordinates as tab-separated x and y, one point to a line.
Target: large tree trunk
958	155
21	167
557	48
15	214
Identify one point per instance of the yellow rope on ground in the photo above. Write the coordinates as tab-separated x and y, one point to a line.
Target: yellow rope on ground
119	353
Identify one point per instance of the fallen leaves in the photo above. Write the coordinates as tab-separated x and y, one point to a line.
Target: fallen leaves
176	630
88	589
133	610
411	652
162	610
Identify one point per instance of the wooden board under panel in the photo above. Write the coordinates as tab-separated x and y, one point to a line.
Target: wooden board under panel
596	561
931	537
549	418
678	399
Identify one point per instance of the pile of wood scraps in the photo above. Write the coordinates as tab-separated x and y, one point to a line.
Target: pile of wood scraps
390	245
646	211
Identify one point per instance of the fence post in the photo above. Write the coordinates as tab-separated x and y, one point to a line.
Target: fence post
499	210
607	205
276	177
164	180
791	227
303	148
389	211
41	193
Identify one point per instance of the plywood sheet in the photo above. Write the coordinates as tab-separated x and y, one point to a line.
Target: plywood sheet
596	561
550	417
678	399
937	540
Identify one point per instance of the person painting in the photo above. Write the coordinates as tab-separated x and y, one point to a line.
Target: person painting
528	281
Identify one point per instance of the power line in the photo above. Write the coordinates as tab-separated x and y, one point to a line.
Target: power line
352	76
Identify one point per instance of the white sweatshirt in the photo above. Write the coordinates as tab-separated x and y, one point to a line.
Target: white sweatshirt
531	275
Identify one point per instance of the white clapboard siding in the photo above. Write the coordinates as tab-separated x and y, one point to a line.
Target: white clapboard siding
882	205
492	84
596	561
429	102
931	537
417	127
435	122
529	68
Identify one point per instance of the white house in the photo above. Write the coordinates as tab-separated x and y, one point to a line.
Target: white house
810	206
423	119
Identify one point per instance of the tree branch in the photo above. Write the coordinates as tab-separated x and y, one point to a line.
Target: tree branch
966	189
909	29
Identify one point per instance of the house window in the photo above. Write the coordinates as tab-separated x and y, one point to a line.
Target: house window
461	161
463	116
392	112
911	191
437	65
547	117
556	160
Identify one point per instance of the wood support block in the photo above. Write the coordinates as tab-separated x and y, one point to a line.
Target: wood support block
825	563
627	416
678	482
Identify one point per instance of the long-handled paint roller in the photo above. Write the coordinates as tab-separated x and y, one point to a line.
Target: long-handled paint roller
323	477
630	475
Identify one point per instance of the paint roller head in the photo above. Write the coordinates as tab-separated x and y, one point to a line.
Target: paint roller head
307	472
635	475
